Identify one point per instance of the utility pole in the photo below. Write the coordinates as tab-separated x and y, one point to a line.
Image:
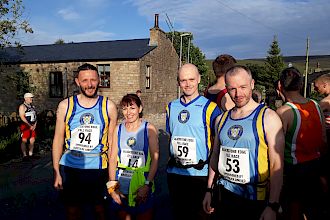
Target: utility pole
306	68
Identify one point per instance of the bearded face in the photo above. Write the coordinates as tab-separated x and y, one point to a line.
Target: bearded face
88	82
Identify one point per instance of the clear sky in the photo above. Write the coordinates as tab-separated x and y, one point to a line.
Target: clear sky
242	28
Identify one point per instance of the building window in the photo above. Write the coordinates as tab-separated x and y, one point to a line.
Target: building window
148	74
55	85
104	73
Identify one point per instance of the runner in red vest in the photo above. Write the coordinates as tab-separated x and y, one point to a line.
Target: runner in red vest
305	143
218	92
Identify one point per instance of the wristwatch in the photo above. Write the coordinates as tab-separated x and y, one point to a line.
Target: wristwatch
275	206
148	183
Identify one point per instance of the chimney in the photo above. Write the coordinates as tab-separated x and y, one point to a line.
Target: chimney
156	21
156	33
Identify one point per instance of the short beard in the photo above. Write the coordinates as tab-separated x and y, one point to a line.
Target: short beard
89	96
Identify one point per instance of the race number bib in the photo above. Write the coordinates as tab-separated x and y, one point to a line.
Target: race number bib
127	174
85	137
32	115
132	158
184	149
234	164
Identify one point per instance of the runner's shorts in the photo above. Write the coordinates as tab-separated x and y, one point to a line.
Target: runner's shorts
26	132
83	186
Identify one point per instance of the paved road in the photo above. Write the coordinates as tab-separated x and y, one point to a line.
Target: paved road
26	190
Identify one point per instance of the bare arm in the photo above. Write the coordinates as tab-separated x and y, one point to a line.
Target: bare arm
276	142
113	115
21	112
213	170
58	142
324	149
213	166
325	104
154	151
113	153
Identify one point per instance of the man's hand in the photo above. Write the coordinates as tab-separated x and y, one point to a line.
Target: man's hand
207	203
33	127
268	214
58	185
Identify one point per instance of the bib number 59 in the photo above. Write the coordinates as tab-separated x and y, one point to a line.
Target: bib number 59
183	150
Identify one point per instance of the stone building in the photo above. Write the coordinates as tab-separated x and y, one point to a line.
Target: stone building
149	65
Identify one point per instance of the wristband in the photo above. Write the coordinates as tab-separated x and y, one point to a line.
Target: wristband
148	183
112	186
210	190
111	183
275	206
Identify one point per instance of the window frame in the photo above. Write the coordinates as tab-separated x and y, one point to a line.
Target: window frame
148	77
58	84
103	75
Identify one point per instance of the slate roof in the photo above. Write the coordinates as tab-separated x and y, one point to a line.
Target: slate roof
85	51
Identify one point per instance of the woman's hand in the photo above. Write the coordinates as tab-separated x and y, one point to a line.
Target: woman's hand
142	194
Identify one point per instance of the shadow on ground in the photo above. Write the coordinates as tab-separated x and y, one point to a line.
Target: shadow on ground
26	188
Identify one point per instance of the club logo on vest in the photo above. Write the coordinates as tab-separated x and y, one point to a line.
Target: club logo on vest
183	116
131	142
235	132
87	118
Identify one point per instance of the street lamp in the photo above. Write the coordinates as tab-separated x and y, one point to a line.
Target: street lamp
181	36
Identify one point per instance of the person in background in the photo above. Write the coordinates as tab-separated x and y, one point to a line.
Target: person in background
256	96
218	92
322	86
135	154
84	125
190	124
28	115
305	143
138	93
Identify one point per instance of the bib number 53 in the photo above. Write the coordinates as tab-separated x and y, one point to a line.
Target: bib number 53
232	165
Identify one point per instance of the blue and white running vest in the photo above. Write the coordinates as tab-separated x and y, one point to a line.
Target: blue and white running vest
133	148
243	160
86	135
191	128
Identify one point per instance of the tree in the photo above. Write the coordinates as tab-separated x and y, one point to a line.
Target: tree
274	61
59	41
20	81
11	22
260	75
196	56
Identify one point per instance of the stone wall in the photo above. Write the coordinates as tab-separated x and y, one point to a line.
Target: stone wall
164	63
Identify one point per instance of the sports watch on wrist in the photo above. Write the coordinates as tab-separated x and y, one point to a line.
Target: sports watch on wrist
275	206
148	183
